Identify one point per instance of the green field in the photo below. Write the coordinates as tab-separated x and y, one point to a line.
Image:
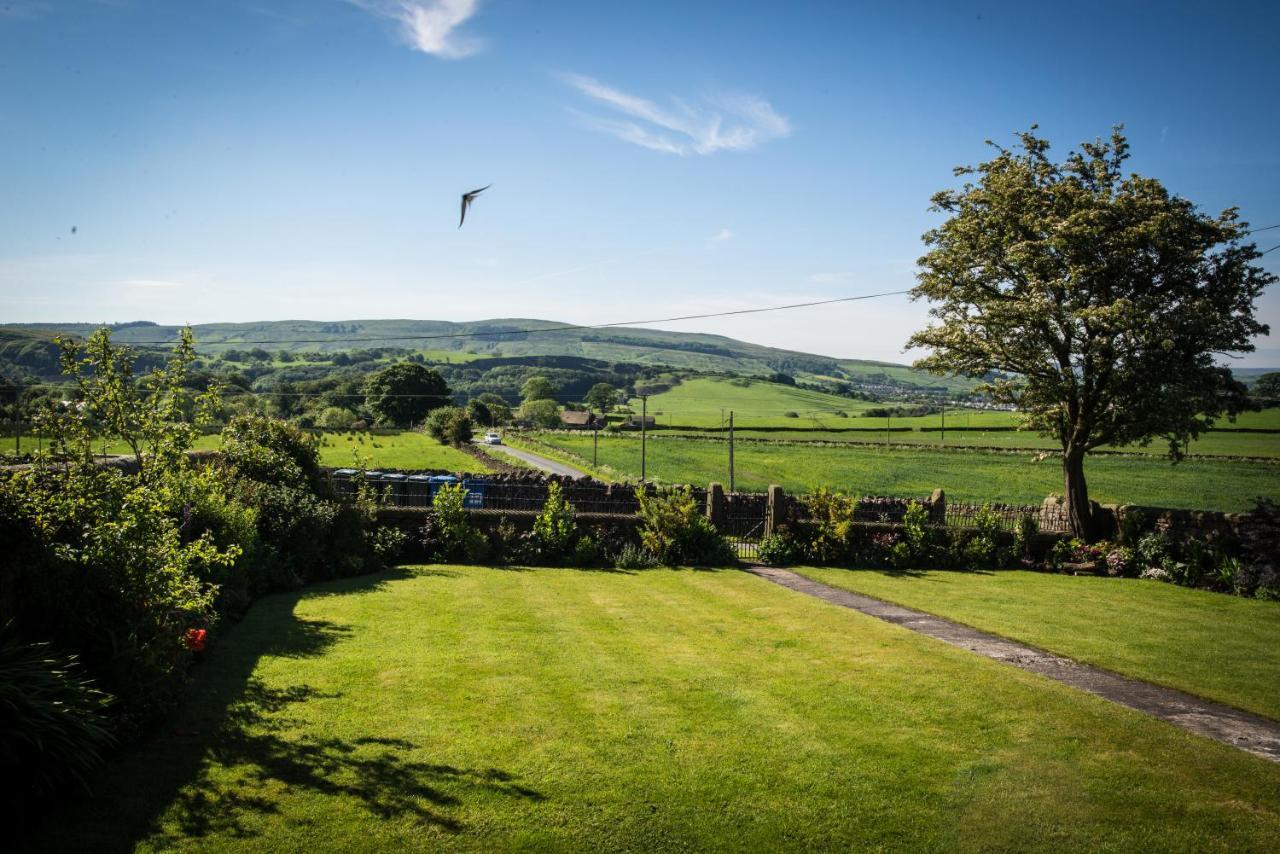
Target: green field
1221	647
1214	444
704	402
405	450
965	475
481	709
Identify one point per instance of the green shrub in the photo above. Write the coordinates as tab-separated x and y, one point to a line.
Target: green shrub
450	425
830	535
448	534
586	551
270	450
777	550
389	543
675	530
51	720
554	531
632	556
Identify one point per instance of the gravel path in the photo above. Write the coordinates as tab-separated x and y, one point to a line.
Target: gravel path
1246	731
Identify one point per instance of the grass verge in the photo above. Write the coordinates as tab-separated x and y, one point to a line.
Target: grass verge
1216	646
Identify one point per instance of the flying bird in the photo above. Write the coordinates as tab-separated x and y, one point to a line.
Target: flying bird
467	199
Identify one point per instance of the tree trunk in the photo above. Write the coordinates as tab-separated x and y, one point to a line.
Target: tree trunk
1076	493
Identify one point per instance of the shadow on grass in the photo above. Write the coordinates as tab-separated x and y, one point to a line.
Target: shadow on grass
162	792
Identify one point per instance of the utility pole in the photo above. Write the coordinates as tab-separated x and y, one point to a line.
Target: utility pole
886	432
944	425
644	423
595	446
731	451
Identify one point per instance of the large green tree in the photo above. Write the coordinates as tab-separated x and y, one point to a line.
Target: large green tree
537	388
1104	300
1267	386
404	393
602	397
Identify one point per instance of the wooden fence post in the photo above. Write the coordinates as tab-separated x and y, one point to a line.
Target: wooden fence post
776	513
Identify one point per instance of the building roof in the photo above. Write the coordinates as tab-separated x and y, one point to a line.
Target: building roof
576	418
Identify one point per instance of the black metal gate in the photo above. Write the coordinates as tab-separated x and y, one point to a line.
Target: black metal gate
745	515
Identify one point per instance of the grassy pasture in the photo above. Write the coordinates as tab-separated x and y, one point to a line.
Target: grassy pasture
479	709
1221	647
396	451
706	401
965	475
1217	443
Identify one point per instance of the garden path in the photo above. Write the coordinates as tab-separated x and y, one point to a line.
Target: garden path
1249	732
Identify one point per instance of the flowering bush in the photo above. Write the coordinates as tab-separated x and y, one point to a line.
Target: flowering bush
194	639
1120	561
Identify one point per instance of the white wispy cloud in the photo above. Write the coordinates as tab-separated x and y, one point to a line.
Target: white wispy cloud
722	235
430	25
715	123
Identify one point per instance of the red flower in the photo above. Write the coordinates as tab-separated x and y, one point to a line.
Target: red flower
194	638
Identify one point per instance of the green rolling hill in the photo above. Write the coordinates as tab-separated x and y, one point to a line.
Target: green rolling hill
520	337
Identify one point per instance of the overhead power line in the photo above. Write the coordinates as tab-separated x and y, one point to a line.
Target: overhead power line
535	330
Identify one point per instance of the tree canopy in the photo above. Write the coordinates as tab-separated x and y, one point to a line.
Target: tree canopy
1102	298
602	397
537	388
404	392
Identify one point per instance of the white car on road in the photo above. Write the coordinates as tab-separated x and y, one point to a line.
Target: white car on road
492	439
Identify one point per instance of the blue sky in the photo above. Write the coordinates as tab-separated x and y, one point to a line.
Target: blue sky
269	159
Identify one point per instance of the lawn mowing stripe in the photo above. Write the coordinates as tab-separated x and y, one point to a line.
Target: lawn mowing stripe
1246	731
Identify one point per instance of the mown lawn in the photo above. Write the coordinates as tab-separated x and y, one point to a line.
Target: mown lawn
1221	647
486	709
972	476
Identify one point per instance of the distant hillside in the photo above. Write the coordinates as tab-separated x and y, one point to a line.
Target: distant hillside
27	354
513	338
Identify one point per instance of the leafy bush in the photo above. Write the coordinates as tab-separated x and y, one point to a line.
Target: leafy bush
389	543
448	534
303	535
676	531
554	531
1259	574
778	550
586	551
508	544
51	717
632	556
830	533
270	450
1121	562
450	425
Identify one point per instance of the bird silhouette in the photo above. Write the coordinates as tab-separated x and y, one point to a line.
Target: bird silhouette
467	199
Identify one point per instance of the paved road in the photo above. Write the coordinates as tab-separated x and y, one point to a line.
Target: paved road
547	465
1257	735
